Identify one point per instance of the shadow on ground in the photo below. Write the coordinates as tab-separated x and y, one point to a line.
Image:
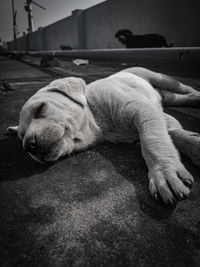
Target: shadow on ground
96	214
133	168
15	164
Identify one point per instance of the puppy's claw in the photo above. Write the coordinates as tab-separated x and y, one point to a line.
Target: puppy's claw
189	183
181	195
156	196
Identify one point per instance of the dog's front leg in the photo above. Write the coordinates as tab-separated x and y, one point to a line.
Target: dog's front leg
167	175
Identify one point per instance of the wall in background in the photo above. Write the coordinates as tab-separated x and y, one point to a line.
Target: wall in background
95	27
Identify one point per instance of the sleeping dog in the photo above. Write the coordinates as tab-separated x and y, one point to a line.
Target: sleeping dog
67	115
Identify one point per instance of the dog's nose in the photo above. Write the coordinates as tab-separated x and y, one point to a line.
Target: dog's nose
30	145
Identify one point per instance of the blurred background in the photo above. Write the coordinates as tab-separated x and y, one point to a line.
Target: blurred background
95	24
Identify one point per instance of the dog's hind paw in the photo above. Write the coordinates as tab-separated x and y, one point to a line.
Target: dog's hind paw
193	146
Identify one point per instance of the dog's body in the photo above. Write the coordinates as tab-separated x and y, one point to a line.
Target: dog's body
68	116
130	40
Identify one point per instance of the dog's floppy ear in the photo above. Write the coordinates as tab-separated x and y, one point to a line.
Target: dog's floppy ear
12	130
73	88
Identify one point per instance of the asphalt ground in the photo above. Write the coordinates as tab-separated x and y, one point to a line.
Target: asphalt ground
92	208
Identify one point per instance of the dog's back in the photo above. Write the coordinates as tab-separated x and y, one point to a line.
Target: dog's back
147	40
141	41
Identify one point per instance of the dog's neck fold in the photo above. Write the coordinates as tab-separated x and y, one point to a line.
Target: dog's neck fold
91	131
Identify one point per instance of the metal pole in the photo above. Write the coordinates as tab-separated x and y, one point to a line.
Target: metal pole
14	13
173	55
30	16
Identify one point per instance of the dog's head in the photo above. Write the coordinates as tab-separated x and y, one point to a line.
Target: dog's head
123	35
53	122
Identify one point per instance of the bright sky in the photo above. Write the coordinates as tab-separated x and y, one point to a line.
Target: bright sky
56	10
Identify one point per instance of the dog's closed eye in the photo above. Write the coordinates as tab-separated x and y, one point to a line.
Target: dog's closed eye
39	110
77	140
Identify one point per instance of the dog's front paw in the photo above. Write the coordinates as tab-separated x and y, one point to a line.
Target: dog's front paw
171	181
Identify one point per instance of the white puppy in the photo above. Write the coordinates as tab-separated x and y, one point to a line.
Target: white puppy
68	116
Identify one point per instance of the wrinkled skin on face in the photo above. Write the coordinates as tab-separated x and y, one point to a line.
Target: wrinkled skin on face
54	122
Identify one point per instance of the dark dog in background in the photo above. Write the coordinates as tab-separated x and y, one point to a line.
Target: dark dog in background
127	38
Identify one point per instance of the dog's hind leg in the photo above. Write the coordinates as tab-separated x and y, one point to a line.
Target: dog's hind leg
188	143
172	91
176	99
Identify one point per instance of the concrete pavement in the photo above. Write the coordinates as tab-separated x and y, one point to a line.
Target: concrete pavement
93	208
